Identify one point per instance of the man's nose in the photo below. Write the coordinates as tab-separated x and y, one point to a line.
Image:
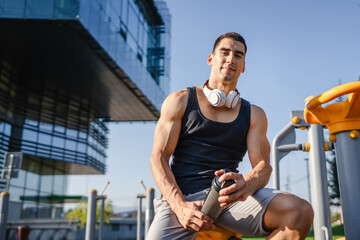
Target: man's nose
230	58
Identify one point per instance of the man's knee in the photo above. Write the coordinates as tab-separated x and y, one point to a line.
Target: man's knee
290	210
301	210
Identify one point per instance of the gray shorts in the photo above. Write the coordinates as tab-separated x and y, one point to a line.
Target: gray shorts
245	217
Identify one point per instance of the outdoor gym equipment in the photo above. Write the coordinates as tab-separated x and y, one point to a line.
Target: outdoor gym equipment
343	120
91	214
283	143
149	212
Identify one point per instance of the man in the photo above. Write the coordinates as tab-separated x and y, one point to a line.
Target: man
207	129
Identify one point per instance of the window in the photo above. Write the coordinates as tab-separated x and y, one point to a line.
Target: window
59	129
7	129
58	183
71	132
46	126
133	22
81	147
70	145
124	10
31	122
44	138
58	142
46	181
30	135
32	180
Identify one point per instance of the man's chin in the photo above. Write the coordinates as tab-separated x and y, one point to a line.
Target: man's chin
228	78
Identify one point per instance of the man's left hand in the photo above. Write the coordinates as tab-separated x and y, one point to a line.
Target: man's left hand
238	191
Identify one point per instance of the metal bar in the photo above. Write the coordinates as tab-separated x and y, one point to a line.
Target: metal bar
149	214
91	216
139	218
319	186
276	154
348	166
4	206
289	147
101	224
8	177
104	188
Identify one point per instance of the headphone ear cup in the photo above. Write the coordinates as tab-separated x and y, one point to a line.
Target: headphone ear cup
232	99
217	98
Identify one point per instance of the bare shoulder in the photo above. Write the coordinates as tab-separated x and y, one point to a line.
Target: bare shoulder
175	104
258	115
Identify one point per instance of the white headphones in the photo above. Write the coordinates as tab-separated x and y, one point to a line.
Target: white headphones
218	98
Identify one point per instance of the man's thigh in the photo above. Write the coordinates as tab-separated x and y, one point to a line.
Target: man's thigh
165	225
246	217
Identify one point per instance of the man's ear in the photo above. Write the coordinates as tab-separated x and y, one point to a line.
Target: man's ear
209	60
243	70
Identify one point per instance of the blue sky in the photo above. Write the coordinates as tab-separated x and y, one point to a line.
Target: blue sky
295	49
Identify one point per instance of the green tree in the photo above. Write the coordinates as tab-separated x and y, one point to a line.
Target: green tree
79	213
334	190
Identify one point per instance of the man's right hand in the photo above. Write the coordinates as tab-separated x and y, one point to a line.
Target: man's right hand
192	219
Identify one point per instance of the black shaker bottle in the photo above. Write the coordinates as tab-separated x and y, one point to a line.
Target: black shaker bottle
211	205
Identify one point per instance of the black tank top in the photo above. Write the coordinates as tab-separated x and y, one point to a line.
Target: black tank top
205	146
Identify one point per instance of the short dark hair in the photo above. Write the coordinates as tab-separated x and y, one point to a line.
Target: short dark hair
232	35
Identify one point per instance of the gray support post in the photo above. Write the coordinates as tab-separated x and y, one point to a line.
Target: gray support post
276	155
139	218
319	186
348	165
10	167
149	214
308	178
91	216
4	206
101	224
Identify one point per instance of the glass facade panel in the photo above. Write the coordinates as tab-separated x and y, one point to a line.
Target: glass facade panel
31	123
7	129
133	22
44	138
71	132
46	184
46	126
70	145
44	210
124	11
58	142
59	129
16	193
39	8
32	181
81	148
30	135
59	187
30	209
19	181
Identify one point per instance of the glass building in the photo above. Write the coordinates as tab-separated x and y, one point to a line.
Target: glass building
67	67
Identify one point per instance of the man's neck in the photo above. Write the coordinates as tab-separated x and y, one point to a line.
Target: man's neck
224	85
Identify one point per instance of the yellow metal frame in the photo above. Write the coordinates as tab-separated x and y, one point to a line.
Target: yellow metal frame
340	116
218	233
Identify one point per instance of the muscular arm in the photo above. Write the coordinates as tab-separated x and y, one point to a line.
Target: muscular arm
258	150
166	137
259	155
